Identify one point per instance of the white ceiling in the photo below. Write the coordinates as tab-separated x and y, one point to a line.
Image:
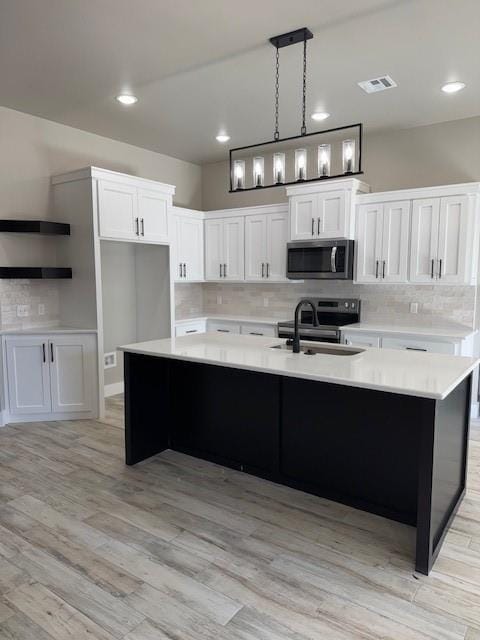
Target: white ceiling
199	66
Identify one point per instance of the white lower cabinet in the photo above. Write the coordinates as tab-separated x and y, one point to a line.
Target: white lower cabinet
258	330
183	328
50	375
223	326
410	344
361	340
189	328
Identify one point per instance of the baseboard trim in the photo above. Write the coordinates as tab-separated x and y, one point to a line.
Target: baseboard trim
113	389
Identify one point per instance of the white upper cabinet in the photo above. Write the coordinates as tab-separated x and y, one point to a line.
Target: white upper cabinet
224	249
442	241
153	216
382	242
118	210
133	209
187	263
266	247
323	210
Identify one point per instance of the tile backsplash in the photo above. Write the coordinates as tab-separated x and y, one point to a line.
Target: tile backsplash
391	303
30	294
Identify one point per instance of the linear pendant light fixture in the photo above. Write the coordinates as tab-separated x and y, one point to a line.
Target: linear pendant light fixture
331	153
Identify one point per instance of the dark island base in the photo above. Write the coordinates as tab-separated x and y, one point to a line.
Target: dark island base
401	457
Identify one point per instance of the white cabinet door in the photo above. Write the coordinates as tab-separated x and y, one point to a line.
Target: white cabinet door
189	328
233	249
258	330
28	375
153	213
418	344
256	247
331	216
396	231
369	242
361	340
424	240
188	264
303	217
277	236
223	326
117	210
213	249
72	369
454	256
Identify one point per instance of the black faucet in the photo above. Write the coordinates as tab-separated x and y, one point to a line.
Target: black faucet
296	339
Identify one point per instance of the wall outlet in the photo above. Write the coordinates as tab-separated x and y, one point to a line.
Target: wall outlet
23	310
110	360
219	299
41	309
414	307
266	302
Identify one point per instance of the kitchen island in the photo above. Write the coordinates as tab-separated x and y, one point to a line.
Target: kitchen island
381	430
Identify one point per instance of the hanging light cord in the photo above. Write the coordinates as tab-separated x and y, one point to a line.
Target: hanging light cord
277	85
303	130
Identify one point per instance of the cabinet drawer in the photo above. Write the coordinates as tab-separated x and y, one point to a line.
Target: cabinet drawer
419	345
258	330
223	327
186	329
361	340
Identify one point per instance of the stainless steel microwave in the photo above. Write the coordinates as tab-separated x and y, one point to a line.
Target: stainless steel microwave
320	260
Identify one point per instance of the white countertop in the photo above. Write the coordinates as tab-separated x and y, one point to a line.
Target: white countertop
427	375
231	318
450	332
43	331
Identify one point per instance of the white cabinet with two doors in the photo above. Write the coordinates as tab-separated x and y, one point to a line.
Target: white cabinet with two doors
266	247
424	240
51	376
224	248
135	213
187	245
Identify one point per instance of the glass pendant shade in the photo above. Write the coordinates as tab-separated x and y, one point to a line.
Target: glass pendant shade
300	164
348	156
324	157
258	171
278	168
239	174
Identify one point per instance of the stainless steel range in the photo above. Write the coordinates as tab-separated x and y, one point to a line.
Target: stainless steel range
332	313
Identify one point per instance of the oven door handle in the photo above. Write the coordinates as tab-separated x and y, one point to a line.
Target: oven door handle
333	259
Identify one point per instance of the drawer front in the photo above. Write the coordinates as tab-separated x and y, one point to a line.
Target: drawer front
419	345
259	330
223	327
185	329
361	340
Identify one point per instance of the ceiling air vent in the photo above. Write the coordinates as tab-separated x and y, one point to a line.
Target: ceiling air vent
377	84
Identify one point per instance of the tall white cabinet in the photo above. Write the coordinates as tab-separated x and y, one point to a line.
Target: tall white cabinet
265	247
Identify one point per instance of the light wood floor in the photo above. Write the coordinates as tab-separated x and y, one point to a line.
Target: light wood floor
180	549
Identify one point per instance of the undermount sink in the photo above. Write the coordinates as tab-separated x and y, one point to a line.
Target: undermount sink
312	350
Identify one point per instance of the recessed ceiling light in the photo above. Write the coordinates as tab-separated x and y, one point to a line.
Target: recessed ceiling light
320	115
127	99
222	137
453	87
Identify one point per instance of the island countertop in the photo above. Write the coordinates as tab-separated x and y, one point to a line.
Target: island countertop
425	375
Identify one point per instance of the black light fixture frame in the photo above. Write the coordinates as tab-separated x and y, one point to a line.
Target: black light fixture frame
285	40
359	172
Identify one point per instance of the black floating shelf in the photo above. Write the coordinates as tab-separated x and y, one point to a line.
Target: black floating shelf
35	273
35	226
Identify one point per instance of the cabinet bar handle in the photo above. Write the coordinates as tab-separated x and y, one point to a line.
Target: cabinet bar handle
439	268
220	270
142	221
268	269
376	269
318	226
414	349
184	269
383	269
180	267
313	226
263	269
51	352
192	331
44	354
223	330
433	266
224	270
255	333
136	227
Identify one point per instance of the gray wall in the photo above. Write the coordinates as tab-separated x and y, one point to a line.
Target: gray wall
442	153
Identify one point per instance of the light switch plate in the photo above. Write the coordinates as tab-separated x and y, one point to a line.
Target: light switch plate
414	307
41	309
110	360
23	310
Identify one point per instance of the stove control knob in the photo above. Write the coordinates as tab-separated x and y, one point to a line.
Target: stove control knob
353	305
346	305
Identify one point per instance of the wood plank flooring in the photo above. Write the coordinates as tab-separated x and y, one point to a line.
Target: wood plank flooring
180	549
